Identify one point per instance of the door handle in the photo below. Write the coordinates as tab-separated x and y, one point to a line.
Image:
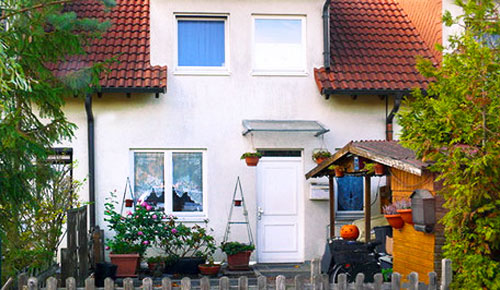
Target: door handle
260	211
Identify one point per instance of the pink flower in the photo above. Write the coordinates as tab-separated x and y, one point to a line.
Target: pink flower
129	213
164	217
136	216
174	231
148	207
144	204
145	242
155	216
140	233
107	248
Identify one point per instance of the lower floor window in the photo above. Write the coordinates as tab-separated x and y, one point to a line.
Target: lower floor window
171	180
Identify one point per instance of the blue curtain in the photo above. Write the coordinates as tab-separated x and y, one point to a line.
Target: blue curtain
201	43
350	193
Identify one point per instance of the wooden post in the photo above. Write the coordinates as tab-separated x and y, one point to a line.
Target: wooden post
51	283
446	274
32	283
342	281
69	255
280	282
109	284
331	190
186	283
413	280
360	279
147	284
378	280
22	280
7	284
205	283
315	269
325	281
71	283
396	281
224	283
243	283
90	284
83	263
166	284
367	208
128	284
299	282
262	282
432	281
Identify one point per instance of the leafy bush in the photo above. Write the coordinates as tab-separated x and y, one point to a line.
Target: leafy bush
321	154
251	154
232	248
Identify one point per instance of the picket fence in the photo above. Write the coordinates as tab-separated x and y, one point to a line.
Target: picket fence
315	282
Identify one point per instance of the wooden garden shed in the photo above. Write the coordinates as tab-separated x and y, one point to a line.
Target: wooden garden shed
413	250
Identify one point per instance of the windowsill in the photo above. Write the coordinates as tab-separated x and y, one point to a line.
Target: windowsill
191	219
201	73
279	73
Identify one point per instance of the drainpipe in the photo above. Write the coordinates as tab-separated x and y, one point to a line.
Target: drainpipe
388	122
326	34
90	138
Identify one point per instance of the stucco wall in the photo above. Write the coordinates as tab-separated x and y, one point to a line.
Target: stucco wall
205	112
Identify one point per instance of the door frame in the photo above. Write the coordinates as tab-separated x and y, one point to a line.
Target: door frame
300	206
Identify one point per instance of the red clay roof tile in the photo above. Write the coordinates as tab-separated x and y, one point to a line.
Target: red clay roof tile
127	39
373	46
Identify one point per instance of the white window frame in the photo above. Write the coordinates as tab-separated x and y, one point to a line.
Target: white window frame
274	71
202	70
167	167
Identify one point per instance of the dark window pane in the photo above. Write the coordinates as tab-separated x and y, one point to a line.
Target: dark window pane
149	180
187	181
350	193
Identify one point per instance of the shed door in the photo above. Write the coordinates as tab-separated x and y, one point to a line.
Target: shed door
279	199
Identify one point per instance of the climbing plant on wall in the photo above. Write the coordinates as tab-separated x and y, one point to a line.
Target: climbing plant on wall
457	127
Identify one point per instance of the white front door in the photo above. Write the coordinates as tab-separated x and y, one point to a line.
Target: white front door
279	206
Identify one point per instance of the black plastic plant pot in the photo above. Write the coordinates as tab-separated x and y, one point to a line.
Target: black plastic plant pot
103	271
185	266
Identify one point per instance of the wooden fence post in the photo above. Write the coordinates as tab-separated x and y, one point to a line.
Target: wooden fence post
280	282
51	283
9	282
90	283
262	282
224	283
109	284
186	283
315	269
166	284
83	262
396	281
243	283
70	283
413	280
446	274
432	281
342	281
204	283
128	284
360	279
147	283
32	283
22	280
325	281
299	282
378	280
316	283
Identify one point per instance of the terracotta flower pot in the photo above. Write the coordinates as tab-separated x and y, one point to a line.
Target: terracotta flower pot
237	202
127	264
379	169
395	220
209	270
339	172
129	202
252	160
319	160
406	215
239	261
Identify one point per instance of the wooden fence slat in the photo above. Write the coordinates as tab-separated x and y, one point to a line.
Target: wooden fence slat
32	283
378	280
413	279
147	283
280	282
446	274
316	282
396	281
325	282
342	281
70	283
205	283
360	279
22	280
315	269
51	283
224	283
262	282
299	282
90	283
7	284
109	284
243	283
128	284
186	283
432	281
166	284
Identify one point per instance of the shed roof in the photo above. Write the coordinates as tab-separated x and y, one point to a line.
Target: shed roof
127	39
389	153
373	45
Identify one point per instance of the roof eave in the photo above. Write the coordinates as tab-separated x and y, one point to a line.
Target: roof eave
152	90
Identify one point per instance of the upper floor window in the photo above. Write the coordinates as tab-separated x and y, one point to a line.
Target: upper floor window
201	43
279	45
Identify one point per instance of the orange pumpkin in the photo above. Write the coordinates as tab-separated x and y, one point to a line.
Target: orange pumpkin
349	232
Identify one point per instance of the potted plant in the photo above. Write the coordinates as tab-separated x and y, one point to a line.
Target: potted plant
404	209
210	268
321	155
393	217
155	263
238	255
134	233
339	170
374	168
186	247
251	158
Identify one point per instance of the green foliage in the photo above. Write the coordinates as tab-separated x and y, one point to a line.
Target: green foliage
232	248
321	154
458	128
251	154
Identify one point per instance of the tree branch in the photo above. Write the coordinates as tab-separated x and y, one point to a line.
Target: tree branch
41	5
